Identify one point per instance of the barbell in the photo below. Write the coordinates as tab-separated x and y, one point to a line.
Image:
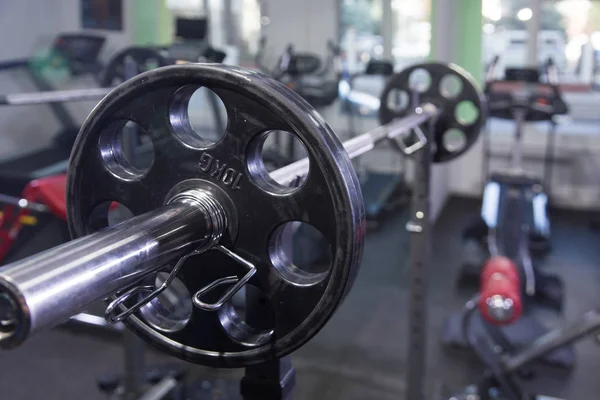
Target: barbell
209	218
53	96
126	63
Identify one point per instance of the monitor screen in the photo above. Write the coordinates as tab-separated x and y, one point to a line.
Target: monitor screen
510	87
102	14
191	28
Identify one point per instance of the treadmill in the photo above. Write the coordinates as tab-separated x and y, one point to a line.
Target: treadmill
383	192
79	53
523	85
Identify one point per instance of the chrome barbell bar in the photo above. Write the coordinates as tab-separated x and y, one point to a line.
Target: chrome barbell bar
55	96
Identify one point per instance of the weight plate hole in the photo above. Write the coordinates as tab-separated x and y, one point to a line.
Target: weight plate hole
265	155
171	310
198	116
127	150
248	318
450	86
397	100
108	213
300	253
466	112
454	140
419	80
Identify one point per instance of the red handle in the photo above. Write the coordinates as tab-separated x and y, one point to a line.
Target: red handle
500	297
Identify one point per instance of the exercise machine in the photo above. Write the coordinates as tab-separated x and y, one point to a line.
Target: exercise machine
81	53
499	303
305	73
383	192
515	199
31	184
511	201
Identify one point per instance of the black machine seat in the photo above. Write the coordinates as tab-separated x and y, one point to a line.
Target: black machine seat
316	90
379	67
298	64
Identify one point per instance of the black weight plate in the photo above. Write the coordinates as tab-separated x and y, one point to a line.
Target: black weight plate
329	199
145	58
469	92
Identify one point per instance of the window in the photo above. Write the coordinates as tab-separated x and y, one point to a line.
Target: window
361	31
412	31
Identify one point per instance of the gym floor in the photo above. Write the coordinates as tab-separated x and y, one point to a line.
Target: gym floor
361	353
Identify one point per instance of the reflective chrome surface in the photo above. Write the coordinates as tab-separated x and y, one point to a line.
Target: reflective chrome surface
46	289
58	96
396	130
500	307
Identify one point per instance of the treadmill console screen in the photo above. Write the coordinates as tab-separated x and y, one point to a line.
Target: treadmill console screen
79	47
510	87
81	51
191	28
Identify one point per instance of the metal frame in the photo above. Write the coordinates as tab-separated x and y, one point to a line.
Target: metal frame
419	228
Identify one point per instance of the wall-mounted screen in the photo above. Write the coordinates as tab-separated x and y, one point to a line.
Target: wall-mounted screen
102	14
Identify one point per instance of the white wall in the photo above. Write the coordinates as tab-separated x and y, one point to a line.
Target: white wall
26	25
308	24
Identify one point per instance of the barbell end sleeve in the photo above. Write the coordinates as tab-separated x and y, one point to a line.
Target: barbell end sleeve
15	318
46	289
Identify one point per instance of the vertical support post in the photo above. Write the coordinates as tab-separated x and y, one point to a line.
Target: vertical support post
229	24
387	29
134	365
533	27
215	23
419	228
271	380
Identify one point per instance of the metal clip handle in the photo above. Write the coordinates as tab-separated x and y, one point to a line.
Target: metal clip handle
224	281
413	148
109	314
112	317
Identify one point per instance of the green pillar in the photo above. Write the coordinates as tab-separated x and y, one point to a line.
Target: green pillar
152	23
469	37
456	31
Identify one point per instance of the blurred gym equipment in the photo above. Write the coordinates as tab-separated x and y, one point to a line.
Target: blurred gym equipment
384	192
499	303
30	178
305	73
514	215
